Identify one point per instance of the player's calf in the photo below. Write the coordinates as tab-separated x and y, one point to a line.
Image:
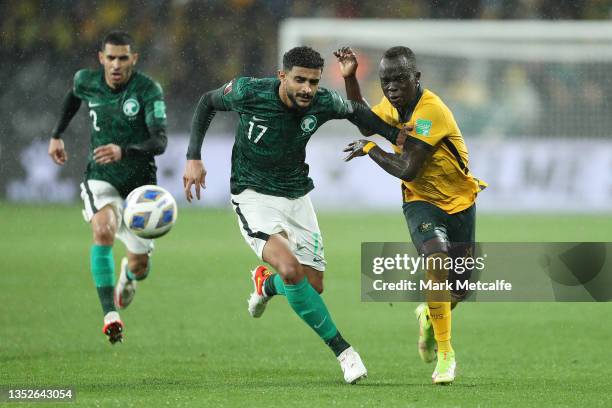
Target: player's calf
315	278
439	310
435	267
138	266
134	268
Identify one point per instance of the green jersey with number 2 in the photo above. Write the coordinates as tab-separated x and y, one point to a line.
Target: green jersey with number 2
121	117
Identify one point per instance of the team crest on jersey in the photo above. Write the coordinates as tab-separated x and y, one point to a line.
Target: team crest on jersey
423	127
308	124
131	107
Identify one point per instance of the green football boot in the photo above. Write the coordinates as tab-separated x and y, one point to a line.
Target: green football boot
427	342
445	368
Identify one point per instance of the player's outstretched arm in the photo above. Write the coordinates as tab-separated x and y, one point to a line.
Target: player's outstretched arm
405	166
70	107
347	59
361	116
195	173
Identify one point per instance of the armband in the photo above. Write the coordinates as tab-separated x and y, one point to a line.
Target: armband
369	146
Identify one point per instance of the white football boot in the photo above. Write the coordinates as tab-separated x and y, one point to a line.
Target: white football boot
125	289
352	366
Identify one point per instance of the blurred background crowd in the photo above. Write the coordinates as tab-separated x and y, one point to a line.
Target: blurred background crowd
193	46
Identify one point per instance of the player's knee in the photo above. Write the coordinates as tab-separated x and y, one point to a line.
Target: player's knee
103	234
436	250
436	245
290	271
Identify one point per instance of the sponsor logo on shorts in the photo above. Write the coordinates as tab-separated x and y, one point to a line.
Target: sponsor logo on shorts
425	227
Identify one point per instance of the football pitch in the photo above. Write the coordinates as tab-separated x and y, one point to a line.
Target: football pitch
189	340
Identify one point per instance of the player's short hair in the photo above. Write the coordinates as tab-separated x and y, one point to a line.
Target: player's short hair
304	57
117	38
400	51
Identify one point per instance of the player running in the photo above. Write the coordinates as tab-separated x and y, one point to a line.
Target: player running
438	189
128	128
270	184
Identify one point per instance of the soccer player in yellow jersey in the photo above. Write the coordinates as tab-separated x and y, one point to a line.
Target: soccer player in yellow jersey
439	191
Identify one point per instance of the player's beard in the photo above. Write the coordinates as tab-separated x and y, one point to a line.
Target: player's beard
293	98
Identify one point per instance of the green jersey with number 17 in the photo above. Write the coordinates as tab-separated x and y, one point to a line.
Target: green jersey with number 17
121	117
270	148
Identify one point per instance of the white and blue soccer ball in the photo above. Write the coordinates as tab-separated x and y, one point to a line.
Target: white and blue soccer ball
150	211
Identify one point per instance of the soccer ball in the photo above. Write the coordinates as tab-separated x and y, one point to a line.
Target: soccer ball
150	211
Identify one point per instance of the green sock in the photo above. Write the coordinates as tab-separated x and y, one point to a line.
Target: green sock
274	285
308	304
103	272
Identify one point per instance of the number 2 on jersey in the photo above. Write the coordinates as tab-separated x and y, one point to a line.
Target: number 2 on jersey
262	130
94	117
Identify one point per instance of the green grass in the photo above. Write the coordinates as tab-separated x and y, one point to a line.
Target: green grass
190	342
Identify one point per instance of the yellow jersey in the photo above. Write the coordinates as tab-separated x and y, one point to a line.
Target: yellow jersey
444	180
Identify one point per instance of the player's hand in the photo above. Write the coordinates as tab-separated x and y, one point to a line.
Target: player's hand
355	149
195	175
57	151
106	154
403	135
347	61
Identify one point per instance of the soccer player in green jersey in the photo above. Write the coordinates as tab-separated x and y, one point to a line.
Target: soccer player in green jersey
128	128
270	184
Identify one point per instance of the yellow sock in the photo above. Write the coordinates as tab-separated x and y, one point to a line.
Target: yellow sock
440	315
